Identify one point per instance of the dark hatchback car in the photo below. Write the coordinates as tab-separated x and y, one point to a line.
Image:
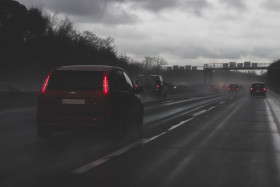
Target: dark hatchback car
153	85
233	89
89	96
258	89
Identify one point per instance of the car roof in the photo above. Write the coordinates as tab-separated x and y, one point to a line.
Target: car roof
89	68
257	83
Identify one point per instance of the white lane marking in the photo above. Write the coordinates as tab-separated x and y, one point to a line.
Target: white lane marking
106	158
212	107
10	111
222	102
125	149
147	140
185	100
198	113
181	123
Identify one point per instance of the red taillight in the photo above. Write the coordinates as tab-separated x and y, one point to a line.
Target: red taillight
264	89
136	85
228	88
105	84
44	88
251	89
237	89
157	86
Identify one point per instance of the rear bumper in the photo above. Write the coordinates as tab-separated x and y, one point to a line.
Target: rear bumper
60	122
258	93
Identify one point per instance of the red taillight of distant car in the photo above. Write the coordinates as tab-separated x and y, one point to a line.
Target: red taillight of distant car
237	89
157	86
251	89
264	89
136	85
105	84
228	88
44	88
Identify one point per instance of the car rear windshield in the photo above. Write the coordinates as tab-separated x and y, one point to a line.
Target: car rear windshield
76	80
258	85
148	79
233	85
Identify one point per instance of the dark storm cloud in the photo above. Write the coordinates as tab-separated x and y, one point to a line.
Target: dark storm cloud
194	6
94	11
91	11
81	7
238	4
155	5
272	5
104	11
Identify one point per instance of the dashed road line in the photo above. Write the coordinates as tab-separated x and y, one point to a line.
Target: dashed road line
125	149
186	100
198	113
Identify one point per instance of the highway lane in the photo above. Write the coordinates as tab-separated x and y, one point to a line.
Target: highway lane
234	144
26	159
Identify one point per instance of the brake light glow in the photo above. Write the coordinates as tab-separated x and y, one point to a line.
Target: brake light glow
44	88
136	85
237	89
251	89
157	86
228	88
105	84
264	89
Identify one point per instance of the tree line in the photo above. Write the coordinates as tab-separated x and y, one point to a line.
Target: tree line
32	43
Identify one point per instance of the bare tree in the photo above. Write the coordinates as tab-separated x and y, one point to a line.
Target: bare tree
154	63
159	62
148	62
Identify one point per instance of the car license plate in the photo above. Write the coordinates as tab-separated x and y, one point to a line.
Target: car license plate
74	101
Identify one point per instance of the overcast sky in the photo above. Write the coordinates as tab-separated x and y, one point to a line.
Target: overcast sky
182	31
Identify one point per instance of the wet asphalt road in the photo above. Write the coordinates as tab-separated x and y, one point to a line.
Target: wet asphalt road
199	140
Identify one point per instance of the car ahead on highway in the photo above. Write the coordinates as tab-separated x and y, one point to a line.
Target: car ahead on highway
92	96
233	89
152	85
258	89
